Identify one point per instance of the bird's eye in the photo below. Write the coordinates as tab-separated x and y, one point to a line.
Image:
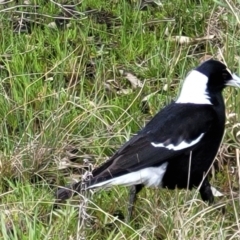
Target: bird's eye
226	75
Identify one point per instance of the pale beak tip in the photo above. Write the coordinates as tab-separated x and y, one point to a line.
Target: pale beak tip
235	80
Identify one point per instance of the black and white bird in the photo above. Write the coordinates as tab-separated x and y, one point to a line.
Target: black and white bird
178	146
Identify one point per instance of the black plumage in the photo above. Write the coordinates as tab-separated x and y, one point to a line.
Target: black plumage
178	146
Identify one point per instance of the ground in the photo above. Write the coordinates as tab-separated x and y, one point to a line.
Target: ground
79	78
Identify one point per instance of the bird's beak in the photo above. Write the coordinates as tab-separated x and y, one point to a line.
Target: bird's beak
234	82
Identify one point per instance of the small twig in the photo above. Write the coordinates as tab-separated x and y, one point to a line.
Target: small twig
82	214
15	7
2	3
189	170
64	8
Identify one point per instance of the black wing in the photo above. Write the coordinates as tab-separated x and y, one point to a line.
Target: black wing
172	125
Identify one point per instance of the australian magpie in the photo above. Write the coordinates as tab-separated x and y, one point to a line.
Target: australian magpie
177	147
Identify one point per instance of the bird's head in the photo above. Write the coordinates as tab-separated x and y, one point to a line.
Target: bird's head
208	79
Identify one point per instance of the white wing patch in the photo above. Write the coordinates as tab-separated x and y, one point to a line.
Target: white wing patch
180	146
150	177
194	89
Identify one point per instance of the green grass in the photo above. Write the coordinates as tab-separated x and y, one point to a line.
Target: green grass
64	94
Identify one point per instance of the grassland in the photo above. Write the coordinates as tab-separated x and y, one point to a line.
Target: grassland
77	80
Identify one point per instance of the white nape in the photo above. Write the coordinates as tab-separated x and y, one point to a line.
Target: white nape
194	89
150	177
180	146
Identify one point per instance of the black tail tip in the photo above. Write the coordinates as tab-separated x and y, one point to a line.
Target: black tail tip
63	194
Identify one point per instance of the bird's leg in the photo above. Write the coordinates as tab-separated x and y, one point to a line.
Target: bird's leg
206	192
134	190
